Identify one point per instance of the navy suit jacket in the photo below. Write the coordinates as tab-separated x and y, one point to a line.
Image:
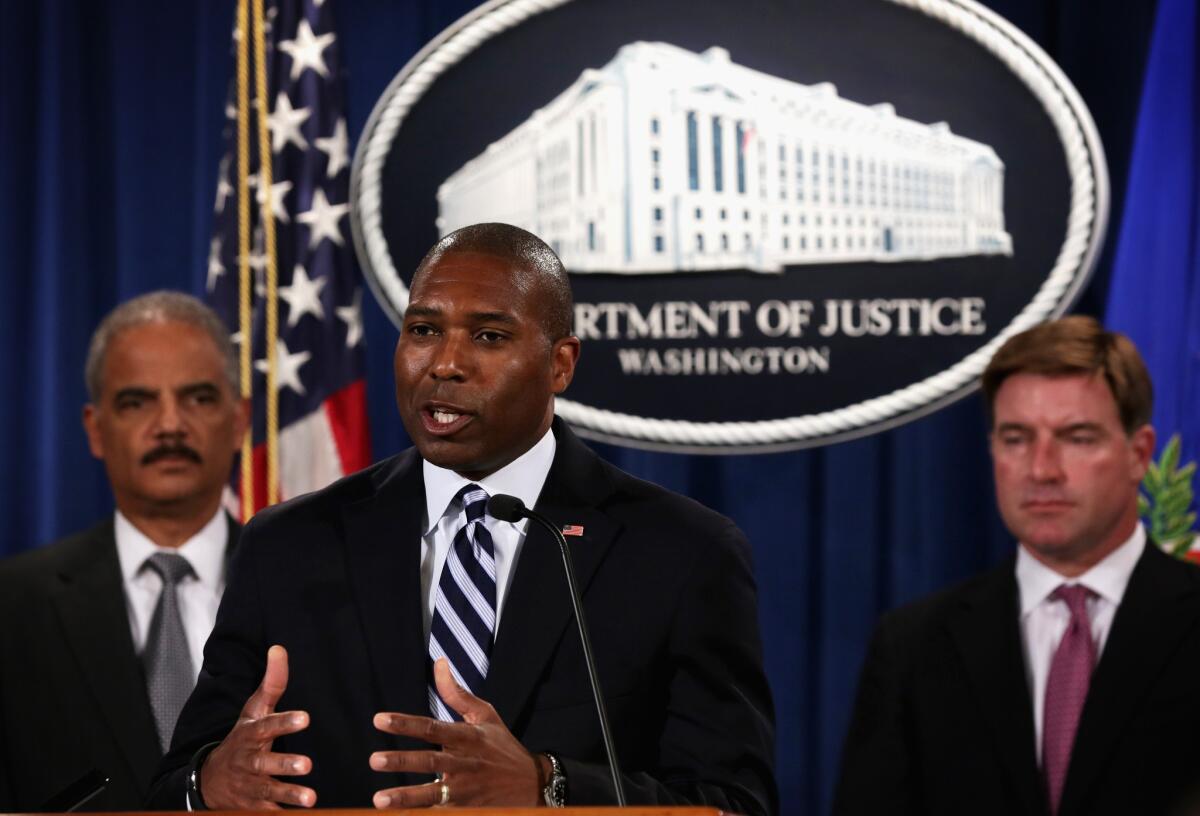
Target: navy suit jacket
670	597
72	692
944	720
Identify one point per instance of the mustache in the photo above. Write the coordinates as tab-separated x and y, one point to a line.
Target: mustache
176	450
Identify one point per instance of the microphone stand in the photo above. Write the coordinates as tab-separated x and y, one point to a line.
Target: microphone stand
510	508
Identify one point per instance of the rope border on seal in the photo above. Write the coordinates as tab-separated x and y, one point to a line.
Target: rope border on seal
1086	222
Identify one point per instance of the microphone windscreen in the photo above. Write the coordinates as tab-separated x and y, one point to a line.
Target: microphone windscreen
506	508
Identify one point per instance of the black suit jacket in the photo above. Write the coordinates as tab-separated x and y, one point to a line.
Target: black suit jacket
72	693
671	604
944	720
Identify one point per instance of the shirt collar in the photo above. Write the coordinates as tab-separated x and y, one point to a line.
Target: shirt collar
523	477
205	551
1107	579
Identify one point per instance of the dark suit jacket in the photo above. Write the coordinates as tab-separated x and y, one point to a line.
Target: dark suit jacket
670	599
944	720
72	692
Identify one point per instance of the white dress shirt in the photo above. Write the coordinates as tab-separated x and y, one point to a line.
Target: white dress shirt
1044	621
523	478
199	595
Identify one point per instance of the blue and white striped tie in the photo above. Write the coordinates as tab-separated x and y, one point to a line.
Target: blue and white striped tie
464	612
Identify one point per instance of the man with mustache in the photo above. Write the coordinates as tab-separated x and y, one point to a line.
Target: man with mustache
103	631
387	641
1064	682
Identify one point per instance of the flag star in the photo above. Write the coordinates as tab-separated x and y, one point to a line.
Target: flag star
337	147
224	188
287	367
278	190
230	111
352	315
215	268
257	261
285	124
236	338
323	219
306	49
303	296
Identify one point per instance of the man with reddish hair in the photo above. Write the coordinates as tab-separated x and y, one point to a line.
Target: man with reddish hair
1064	681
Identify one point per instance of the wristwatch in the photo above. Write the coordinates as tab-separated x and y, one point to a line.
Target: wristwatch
193	799
555	792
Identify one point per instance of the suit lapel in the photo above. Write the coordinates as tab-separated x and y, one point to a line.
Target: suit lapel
537	608
987	636
1158	609
90	602
383	552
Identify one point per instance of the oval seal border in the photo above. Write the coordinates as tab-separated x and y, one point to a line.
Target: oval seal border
1086	223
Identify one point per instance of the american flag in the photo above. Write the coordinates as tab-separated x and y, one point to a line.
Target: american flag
322	417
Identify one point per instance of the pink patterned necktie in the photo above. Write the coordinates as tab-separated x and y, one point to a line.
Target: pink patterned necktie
1066	690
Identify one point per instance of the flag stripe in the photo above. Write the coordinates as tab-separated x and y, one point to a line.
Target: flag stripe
347	411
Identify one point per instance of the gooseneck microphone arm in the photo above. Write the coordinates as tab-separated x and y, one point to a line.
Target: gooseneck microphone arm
512	509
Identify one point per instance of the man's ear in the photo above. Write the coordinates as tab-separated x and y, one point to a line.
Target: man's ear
564	356
1141	445
91	427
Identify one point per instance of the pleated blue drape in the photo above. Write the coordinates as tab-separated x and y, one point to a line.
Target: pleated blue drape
110	120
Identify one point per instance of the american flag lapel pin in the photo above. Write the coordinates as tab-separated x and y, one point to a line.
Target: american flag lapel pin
572	529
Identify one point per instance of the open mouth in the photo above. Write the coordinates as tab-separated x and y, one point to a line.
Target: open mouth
443	420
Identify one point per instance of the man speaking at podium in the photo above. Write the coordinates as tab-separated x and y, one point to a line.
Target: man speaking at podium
385	641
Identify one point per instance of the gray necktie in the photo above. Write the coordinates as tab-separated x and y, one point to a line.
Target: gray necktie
168	663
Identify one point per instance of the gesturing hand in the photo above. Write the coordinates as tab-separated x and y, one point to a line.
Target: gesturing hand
481	762
237	775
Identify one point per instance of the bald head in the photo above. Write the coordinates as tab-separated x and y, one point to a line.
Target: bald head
537	271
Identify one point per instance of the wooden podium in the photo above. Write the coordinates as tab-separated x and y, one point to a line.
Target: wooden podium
498	811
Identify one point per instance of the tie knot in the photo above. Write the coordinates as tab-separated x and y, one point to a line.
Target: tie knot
474	499
171	567
1075	597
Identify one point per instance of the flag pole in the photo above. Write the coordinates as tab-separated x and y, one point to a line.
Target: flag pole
267	212
245	327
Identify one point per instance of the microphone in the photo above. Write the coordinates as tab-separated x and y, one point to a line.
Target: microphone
512	509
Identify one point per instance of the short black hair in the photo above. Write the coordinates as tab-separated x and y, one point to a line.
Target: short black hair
526	252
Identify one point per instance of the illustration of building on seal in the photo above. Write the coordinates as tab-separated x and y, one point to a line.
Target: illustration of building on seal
665	160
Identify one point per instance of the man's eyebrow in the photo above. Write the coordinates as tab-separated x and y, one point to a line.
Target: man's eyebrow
494	317
135	391
422	311
507	318
1011	426
198	388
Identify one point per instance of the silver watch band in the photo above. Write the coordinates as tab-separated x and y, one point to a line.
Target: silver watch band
555	792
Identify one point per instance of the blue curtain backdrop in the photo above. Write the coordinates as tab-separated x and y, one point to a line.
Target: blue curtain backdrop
1155	291
110	118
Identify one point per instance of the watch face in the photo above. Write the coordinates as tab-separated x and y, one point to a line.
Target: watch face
555	792
556	795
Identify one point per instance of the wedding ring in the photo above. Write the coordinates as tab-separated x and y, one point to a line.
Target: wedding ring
445	795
